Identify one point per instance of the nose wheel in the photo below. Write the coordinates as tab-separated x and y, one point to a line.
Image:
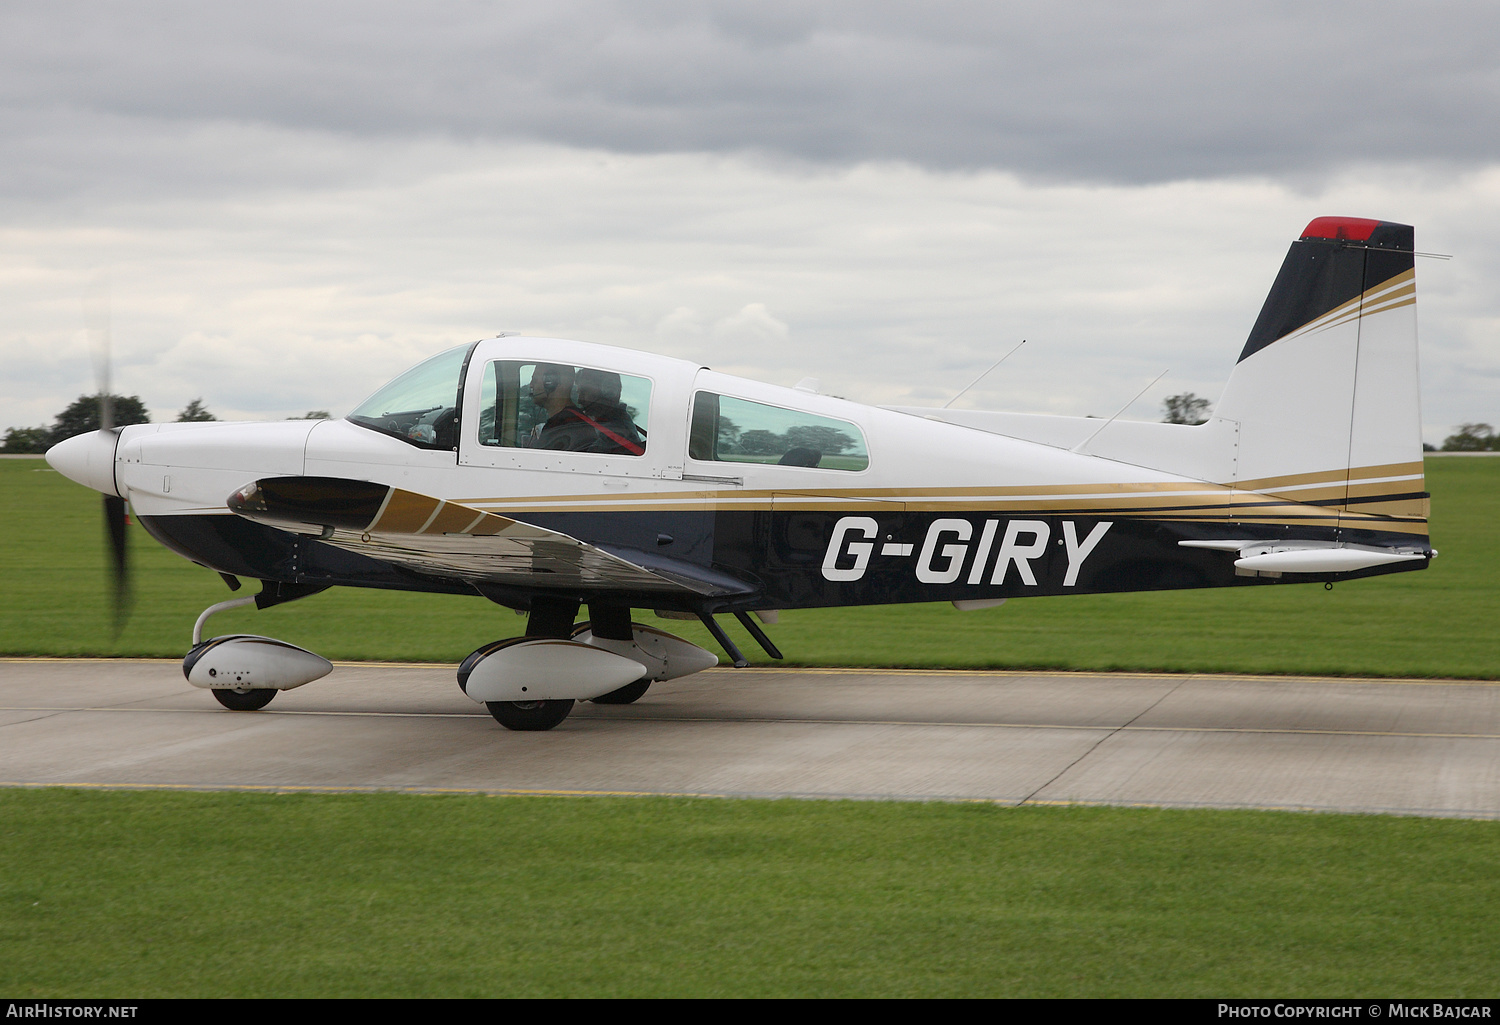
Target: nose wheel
245	699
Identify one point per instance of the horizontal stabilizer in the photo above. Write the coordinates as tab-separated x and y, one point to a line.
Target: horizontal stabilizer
1307	556
1321	560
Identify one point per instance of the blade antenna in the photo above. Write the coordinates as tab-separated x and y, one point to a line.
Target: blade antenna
982	376
1080	446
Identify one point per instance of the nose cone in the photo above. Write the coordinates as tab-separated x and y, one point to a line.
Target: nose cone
88	459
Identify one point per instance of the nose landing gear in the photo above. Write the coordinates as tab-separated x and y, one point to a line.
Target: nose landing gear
245	671
248	699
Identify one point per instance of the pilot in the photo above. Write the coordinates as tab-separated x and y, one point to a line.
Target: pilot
599	401
565	427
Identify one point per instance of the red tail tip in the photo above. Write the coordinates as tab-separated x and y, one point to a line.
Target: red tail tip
1351	229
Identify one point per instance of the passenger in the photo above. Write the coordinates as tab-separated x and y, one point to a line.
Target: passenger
599	398
566	427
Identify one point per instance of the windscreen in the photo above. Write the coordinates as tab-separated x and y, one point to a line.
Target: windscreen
421	406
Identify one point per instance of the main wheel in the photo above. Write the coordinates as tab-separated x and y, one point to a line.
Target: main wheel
530	715
247	699
626	694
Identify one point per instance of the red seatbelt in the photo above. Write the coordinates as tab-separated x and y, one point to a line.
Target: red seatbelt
628	445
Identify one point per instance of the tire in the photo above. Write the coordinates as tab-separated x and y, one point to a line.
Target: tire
248	700
626	694
530	716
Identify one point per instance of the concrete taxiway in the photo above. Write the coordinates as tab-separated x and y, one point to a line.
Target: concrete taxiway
1401	746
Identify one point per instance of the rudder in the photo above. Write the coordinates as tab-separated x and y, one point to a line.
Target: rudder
1325	392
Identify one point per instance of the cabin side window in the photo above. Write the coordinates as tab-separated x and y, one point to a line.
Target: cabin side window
562	407
730	430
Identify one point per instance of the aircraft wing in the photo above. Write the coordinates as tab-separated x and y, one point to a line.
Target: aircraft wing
454	541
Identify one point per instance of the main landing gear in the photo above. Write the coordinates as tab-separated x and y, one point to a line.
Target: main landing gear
526	683
626	695
533	682
530	716
631	692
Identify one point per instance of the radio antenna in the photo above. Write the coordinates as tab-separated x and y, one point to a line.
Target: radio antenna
1080	446
982	376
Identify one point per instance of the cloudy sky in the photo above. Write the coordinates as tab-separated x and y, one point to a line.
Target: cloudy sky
283	205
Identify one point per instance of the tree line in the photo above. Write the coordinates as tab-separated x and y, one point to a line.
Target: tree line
1472	438
83	415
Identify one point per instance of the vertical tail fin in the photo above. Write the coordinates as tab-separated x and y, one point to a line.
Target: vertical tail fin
1325	391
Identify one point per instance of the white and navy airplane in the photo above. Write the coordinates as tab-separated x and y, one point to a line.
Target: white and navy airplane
549	475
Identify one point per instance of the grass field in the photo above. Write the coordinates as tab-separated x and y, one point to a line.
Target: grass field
1439	622
170	894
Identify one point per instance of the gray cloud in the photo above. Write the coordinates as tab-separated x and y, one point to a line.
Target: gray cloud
1085	91
887	282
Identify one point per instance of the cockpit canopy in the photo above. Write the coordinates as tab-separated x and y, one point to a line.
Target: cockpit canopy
595	409
522	404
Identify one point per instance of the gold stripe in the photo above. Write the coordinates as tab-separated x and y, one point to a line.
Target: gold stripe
428	522
1350	313
492	525
452	519
405	513
1370	301
1326	321
1318	494
1387	307
389	494
1407	277
810	504
1249	508
863	494
1384	488
1341	492
1262	505
1414	508
664	500
1415	469
1401	291
1261	500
